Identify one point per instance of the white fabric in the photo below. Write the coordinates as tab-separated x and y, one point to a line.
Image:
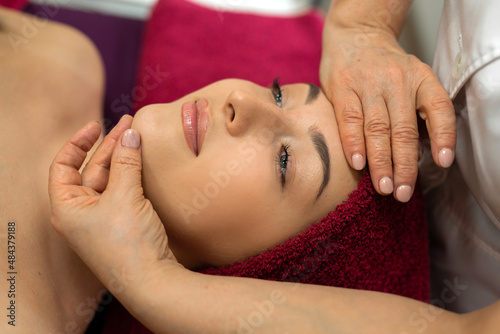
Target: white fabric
464	210
134	9
140	9
269	7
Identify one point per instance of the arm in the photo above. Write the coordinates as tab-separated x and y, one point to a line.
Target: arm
120	237
385	15
376	89
182	301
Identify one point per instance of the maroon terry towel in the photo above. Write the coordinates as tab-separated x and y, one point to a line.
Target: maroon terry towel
370	242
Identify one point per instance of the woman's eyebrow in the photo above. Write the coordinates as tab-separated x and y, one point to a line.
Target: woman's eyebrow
319	143
313	93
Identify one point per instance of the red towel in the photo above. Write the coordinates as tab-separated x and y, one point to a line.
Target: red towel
189	46
15	4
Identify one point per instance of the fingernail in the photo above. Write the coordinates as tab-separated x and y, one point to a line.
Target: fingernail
403	193
357	161
446	157
131	139
385	185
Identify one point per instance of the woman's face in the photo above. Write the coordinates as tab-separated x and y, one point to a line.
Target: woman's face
232	172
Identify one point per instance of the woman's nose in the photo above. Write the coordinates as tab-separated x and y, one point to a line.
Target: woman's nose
247	113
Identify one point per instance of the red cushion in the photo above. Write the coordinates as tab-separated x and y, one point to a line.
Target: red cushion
16	4
189	46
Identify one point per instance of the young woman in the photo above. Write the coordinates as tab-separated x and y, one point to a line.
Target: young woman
247	174
259	166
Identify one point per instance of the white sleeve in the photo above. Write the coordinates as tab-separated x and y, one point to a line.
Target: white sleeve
467	61
463	205
480	164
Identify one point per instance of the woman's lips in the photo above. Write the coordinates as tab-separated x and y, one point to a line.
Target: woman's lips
195	121
203	120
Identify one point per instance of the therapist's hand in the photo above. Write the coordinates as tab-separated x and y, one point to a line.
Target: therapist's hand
102	212
377	89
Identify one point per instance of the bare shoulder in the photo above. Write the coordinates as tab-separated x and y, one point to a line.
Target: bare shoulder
44	62
23	33
52	82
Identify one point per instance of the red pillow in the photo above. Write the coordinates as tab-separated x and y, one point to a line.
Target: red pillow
16	4
187	46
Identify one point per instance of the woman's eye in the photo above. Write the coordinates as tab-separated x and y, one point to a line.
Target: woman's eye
276	90
283	162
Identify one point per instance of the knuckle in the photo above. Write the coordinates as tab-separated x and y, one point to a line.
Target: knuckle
419	66
353	140
445	133
406	168
395	72
420	71
128	162
376	127
351	114
344	78
380	161
404	133
440	104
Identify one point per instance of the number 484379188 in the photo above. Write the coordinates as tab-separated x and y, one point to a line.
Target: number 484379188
11	246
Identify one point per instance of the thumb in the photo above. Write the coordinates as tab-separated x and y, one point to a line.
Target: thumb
126	165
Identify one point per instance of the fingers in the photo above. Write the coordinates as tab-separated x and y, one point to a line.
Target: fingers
64	169
96	173
350	122
126	165
436	108
377	133
405	146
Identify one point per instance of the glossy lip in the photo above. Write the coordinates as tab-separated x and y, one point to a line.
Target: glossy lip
195	120
203	121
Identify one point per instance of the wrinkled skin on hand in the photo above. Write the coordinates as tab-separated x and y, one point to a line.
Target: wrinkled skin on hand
377	90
